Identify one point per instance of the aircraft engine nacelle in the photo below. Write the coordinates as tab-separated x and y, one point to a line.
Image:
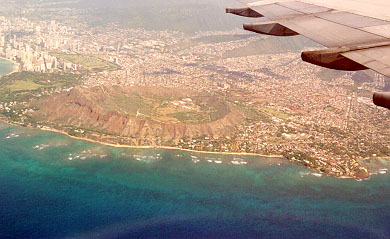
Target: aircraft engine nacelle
332	59
382	99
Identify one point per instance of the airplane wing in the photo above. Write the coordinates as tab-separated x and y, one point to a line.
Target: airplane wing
356	32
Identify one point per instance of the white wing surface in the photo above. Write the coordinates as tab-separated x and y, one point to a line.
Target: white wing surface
356	33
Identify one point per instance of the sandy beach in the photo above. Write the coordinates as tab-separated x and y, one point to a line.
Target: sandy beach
146	146
161	147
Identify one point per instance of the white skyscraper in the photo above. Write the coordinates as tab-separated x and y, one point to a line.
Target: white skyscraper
2	41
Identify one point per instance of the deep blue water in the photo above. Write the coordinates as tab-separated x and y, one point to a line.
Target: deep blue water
55	187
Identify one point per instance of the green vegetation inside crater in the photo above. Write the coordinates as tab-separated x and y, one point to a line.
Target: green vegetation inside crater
163	107
193	117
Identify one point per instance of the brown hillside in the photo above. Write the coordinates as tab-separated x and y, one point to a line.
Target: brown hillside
111	110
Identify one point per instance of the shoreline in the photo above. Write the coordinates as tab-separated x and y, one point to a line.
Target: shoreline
158	147
16	67
191	151
178	149
145	146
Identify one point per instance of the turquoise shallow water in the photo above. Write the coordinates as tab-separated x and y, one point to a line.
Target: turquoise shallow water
56	187
5	67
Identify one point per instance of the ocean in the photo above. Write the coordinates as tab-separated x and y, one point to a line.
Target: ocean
53	186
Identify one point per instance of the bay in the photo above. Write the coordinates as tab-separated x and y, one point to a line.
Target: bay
6	66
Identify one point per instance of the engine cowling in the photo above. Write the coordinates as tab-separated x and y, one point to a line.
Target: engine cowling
382	99
332	59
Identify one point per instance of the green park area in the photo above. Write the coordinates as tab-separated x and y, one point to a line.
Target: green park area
20	86
257	112
87	62
276	113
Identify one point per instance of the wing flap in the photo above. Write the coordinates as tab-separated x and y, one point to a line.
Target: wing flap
350	19
275	11
376	58
381	30
305	8
330	34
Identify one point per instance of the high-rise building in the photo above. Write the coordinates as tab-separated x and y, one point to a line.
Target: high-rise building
53	25
2	41
54	63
